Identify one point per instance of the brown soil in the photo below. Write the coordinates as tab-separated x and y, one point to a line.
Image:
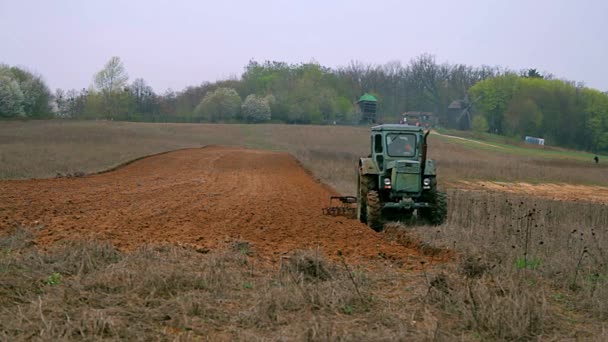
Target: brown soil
199	197
559	192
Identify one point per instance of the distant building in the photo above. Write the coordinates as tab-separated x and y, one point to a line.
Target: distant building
534	141
423	119
458	115
368	105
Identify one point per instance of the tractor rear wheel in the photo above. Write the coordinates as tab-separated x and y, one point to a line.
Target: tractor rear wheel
374	211
437	212
364	184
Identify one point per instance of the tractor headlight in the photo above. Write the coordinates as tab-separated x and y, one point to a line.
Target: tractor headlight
426	184
387	183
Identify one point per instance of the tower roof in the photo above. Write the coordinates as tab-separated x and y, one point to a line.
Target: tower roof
368	97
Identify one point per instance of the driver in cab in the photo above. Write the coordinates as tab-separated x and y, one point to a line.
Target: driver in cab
400	145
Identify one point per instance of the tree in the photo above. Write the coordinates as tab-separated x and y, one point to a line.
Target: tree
223	104
111	82
532	73
61	104
73	104
494	96
427	74
113	77
523	117
23	94
596	106
144	101
168	104
480	124
36	94
565	113
11	98
255	109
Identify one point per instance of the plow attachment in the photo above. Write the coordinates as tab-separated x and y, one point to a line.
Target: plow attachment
346	206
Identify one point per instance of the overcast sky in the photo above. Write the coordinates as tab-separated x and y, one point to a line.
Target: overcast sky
173	44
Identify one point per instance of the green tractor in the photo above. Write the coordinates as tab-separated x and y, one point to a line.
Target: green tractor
398	179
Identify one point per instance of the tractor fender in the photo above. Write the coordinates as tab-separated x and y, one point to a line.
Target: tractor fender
429	168
367	166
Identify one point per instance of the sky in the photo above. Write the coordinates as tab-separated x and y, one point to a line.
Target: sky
179	43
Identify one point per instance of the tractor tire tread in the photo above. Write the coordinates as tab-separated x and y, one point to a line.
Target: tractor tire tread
374	211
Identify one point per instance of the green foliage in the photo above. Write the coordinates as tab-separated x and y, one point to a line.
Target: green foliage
301	93
562	113
530	264
305	93
111	82
523	115
23	94
221	105
143	101
596	108
507	103
480	124
11	98
94	105
347	309
494	96
53	279
533	73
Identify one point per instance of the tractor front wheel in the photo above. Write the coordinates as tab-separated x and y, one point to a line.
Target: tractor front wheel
437	212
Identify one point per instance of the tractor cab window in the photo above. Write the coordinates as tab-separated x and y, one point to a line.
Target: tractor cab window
378	143
401	144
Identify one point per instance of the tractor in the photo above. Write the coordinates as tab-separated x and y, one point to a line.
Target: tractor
397	179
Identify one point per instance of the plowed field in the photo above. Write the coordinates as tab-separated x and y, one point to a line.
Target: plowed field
201	197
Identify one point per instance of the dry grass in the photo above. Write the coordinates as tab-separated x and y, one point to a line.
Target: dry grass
47	148
38	149
526	264
88	290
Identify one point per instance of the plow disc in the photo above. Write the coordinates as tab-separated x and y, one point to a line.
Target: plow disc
341	206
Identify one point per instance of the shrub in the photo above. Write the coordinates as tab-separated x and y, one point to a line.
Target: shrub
223	104
256	109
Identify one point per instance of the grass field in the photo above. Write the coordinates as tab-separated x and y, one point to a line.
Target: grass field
524	268
497	143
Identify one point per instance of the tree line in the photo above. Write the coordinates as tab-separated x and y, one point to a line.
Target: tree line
503	101
274	91
563	113
23	94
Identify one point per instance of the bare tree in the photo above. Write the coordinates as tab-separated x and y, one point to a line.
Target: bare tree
112	77
111	81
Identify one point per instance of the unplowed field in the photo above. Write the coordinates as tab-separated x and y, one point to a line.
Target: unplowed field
203	197
557	192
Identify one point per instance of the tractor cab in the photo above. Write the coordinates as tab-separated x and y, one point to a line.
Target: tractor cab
399	153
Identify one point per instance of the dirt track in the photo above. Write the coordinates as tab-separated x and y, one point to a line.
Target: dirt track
204	197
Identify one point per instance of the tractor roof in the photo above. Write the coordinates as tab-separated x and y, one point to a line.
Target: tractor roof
395	127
